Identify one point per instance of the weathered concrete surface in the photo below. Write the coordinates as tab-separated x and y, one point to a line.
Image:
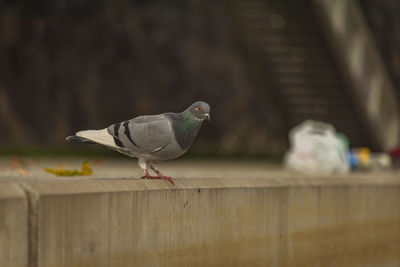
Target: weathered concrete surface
13	226
217	222
262	218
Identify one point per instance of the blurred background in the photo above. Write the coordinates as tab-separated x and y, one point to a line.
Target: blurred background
263	66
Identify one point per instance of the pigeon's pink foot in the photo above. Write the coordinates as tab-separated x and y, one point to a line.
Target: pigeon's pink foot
148	176
161	176
168	178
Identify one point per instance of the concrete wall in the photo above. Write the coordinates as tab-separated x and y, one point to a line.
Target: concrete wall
202	222
13	226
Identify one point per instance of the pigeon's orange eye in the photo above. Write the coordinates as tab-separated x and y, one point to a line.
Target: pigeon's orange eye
198	108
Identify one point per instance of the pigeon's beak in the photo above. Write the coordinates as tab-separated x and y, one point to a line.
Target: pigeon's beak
207	116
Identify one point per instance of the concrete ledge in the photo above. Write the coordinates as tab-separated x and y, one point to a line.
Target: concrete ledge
218	222
13	226
298	221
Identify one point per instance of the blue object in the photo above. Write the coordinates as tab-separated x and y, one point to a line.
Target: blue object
353	159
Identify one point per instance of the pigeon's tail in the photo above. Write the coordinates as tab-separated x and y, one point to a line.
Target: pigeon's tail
101	137
78	139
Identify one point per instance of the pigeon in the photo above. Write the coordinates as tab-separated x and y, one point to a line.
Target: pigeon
151	138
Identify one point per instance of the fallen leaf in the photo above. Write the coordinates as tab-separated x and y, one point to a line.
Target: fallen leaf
59	171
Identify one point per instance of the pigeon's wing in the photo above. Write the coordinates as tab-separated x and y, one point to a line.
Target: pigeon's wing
145	134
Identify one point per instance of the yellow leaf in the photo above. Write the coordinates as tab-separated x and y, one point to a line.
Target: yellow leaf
86	170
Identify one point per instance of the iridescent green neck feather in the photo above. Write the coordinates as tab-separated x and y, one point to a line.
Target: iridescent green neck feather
189	122
186	127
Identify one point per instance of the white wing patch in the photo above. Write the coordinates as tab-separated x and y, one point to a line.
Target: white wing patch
99	136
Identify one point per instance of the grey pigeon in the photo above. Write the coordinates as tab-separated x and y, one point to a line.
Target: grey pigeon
151	138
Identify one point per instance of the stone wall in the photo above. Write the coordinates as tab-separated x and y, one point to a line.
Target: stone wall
285	221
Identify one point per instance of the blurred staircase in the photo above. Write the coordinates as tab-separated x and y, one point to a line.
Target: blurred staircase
308	79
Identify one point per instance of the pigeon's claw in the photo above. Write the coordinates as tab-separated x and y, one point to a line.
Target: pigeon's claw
169	179
148	176
161	176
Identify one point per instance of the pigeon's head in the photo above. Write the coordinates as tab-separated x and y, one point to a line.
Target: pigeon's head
200	110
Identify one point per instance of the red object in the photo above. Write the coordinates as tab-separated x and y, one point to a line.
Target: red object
160	176
395	153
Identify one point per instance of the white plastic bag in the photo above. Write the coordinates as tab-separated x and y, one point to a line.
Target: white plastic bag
316	147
